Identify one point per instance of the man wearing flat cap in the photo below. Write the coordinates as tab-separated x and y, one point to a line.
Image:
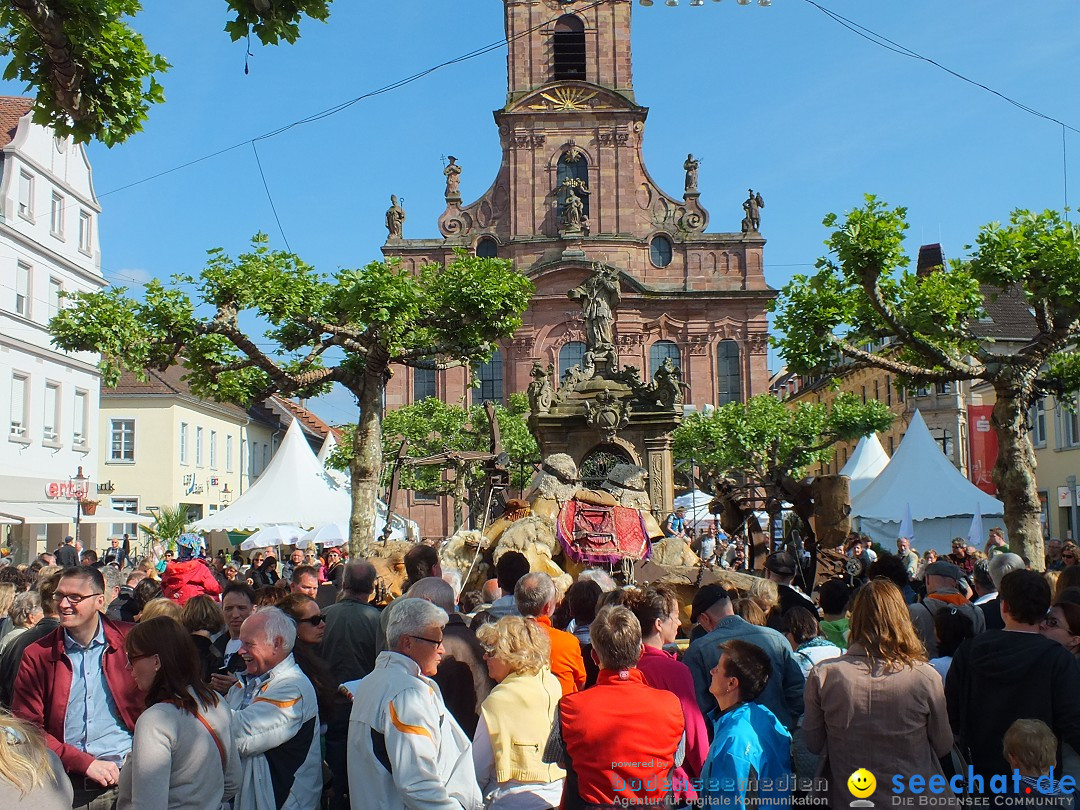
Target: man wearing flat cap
942	593
781	569
712	609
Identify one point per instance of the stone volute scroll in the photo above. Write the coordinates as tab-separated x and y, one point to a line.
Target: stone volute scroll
452	172
395	218
691	167
752	206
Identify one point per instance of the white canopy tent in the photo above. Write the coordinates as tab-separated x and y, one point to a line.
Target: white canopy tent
865	464
942	501
294	490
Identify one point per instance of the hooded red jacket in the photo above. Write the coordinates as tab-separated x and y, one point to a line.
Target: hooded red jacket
183	580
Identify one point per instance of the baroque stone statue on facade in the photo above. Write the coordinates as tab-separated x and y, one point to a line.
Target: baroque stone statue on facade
453	178
753	205
395	218
691	167
573	212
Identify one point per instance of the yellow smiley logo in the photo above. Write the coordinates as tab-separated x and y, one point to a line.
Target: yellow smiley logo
861	783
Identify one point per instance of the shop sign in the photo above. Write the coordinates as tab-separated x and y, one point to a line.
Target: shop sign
71	490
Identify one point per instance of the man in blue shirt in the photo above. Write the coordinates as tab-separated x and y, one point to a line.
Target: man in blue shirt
712	609
675	524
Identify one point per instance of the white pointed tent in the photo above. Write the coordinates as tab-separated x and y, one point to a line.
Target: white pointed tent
942	500
294	490
865	464
408	528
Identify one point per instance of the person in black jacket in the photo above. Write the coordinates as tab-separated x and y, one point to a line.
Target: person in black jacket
1004	675
67	556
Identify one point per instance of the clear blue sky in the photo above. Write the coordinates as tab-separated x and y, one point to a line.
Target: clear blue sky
782	99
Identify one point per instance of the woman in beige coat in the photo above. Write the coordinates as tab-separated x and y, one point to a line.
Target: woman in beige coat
880	706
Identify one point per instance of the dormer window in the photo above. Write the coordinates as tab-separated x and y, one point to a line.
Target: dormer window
569	48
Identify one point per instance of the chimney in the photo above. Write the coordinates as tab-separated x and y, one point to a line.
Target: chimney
931	257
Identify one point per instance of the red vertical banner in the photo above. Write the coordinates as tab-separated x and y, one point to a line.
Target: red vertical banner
984	448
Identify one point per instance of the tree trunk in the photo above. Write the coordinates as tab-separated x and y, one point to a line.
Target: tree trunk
1014	472
366	462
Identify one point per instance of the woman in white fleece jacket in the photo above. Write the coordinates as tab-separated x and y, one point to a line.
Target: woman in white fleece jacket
183	756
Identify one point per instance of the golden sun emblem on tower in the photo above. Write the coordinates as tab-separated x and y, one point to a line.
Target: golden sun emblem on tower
565	98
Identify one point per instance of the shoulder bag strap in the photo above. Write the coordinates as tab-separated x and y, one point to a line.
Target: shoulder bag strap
217	740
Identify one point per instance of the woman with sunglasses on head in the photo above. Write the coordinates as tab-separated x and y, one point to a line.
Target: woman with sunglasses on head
333	567
879	706
183	756
310	628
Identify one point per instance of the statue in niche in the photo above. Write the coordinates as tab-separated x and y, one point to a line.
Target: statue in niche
599	296
691	167
540	390
573	212
395	218
753	205
453	178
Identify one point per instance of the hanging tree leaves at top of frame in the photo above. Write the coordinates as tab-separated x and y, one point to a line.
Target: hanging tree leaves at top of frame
91	72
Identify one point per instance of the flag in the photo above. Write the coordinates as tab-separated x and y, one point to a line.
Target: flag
907	526
975	535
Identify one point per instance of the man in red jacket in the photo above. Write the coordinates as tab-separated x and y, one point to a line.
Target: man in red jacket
75	685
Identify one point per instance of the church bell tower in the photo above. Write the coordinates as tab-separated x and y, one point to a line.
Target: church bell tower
573	197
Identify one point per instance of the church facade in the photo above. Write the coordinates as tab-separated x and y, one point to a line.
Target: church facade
573	193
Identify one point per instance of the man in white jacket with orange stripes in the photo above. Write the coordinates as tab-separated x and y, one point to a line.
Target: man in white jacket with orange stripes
275	720
406	751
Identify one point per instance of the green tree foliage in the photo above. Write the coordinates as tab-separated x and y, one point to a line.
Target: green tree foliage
862	308
766	441
349	328
91	72
433	427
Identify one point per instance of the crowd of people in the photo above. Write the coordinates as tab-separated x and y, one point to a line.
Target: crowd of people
229	683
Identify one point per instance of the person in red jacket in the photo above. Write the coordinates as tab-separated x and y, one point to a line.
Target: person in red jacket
88	721
187	577
620	740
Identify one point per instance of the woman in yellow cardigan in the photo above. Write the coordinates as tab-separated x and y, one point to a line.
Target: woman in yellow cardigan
516	718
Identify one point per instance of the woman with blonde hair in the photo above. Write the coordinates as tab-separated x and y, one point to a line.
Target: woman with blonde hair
161	607
31	775
516	717
880	706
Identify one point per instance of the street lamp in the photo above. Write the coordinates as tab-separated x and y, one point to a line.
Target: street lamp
226	495
79	480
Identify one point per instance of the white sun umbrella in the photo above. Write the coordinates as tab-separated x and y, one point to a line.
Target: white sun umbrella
333	534
273	536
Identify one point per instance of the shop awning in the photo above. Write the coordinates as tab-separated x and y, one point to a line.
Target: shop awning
30	512
39	513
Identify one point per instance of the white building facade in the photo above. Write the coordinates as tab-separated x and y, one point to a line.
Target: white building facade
49	398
